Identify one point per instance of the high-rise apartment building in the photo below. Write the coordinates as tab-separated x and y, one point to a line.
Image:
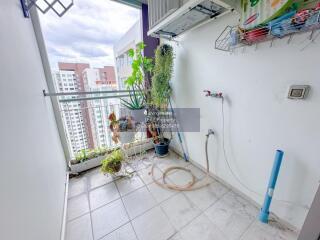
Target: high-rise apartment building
86	122
108	76
99	109
121	49
67	81
78	69
104	79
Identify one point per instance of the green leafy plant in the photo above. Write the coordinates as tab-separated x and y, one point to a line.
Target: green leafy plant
137	99
112	163
160	92
100	151
141	71
162	73
87	154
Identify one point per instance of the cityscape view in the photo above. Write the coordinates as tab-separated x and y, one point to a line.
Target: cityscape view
99	65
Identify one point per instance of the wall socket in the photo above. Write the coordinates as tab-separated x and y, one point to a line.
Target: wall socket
298	91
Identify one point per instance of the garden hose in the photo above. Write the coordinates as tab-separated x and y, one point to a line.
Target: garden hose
193	184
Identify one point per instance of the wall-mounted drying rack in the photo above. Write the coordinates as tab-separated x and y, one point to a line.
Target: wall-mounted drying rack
58	6
286	25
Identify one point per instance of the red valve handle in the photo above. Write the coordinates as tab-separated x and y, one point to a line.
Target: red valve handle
208	93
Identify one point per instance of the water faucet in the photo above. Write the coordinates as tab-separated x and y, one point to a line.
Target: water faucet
213	94
210	132
208	93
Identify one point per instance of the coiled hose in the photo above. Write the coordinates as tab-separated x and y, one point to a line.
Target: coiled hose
193	184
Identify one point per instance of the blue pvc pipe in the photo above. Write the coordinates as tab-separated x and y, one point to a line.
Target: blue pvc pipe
264	213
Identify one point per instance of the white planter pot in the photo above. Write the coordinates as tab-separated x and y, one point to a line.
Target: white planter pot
138	115
86	165
127	137
136	147
130	150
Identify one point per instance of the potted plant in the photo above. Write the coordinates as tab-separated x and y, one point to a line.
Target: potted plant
136	103
122	129
113	162
160	95
138	81
87	159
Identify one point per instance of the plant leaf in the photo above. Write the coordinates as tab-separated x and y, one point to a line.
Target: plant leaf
131	53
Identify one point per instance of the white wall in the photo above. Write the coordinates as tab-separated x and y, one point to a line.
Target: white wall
129	40
258	116
311	227
32	172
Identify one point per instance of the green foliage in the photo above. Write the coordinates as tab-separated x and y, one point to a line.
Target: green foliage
141	68
136	99
100	151
87	154
112	163
162	73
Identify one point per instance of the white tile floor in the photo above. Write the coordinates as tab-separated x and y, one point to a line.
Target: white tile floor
138	209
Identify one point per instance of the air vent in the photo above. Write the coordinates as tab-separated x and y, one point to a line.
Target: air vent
188	16
159	9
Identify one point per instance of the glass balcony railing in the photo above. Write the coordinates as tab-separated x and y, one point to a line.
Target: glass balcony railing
85	117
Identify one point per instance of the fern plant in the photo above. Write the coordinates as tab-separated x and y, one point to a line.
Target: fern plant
162	73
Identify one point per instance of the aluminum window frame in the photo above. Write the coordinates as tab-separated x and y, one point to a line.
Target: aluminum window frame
35	20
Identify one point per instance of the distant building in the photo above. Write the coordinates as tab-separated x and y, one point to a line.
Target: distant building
67	81
108	76
99	109
78	69
122	61
85	121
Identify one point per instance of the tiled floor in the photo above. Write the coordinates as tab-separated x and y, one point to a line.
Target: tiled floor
136	208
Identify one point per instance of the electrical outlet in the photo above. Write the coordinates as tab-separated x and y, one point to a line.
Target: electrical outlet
298	92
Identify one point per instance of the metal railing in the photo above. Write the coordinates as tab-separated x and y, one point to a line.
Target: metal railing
85	117
86	124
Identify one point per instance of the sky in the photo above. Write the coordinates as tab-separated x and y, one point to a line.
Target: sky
87	32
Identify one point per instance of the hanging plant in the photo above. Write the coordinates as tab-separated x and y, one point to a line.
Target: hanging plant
160	95
162	73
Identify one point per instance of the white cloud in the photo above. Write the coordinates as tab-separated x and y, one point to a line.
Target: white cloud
87	32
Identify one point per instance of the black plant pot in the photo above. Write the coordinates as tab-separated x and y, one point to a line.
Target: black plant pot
162	148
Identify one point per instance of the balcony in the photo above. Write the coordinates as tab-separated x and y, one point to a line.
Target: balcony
85	117
131	204
214	182
100	207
